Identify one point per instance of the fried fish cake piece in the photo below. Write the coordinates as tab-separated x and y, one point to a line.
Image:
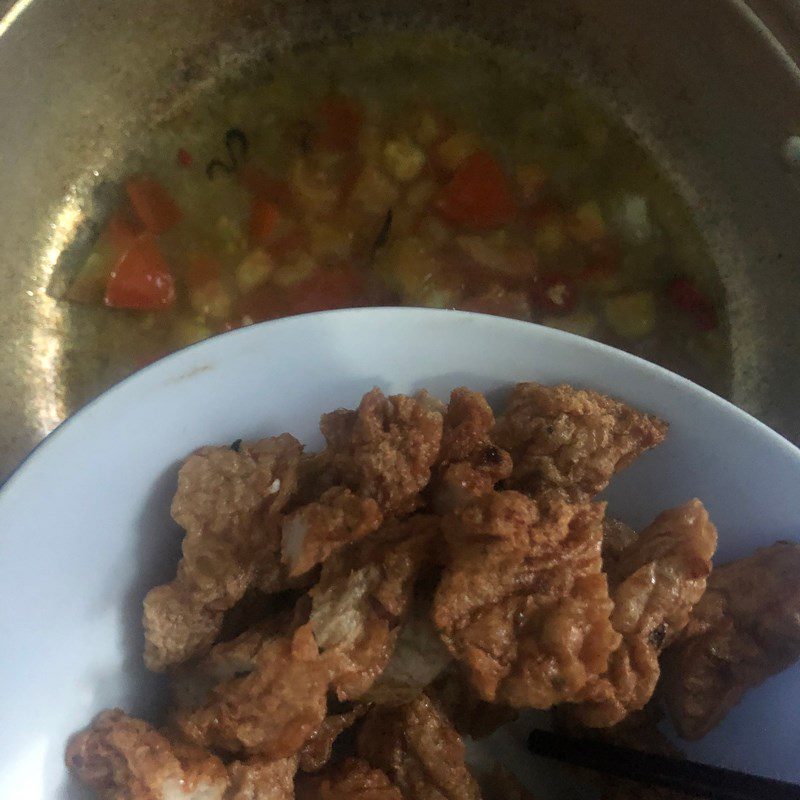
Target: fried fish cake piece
469	463
228	501
385	449
745	629
122	758
420	751
571	441
313	532
655	583
352	779
363	597
522	602
267	698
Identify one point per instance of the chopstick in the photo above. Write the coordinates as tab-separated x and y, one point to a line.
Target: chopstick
700	780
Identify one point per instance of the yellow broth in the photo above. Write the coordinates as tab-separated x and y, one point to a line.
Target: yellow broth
394	170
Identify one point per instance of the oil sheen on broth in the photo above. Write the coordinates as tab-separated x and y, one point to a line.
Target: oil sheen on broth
389	171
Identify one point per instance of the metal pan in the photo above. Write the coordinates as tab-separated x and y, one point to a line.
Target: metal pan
711	88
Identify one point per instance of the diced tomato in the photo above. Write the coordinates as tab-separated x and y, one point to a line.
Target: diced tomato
555	294
202	270
152	204
340	287
479	195
684	294
340	123
184	157
264	217
141	278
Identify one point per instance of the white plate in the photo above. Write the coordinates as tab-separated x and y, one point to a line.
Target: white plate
86	531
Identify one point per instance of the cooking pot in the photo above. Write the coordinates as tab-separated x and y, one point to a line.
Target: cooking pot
712	89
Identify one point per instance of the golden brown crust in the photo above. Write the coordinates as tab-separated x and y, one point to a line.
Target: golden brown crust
745	629
177	625
228	502
655	582
385	449
122	758
469	464
267	704
569	440
419	750
261	779
313	532
522	603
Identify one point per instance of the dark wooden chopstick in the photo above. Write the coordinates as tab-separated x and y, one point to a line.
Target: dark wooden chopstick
700	780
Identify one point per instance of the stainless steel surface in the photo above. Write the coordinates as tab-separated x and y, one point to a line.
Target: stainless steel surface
709	89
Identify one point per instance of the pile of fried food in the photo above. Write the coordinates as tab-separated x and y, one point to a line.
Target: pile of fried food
339	620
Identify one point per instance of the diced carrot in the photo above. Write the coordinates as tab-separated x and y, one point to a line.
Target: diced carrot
264	217
340	123
152	204
141	278
555	294
479	195
684	294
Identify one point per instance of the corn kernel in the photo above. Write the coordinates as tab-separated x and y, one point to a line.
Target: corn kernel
426	129
550	237
311	187
188	331
211	300
374	191
587	224
253	270
631	315
457	148
230	235
403	159
299	267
